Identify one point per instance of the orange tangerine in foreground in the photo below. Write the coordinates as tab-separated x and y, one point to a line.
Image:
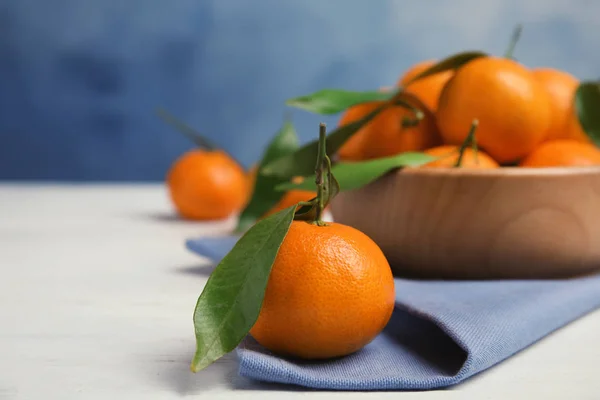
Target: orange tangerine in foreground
330	293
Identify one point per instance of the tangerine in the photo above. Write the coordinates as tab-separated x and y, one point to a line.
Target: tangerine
511	105
427	89
574	130
290	198
389	135
448	156
207	185
561	88
330	293
563	153
353	149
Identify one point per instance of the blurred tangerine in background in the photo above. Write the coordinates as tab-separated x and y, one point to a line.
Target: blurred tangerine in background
292	197
448	157
560	87
354	148
563	153
512	108
427	89
398	129
207	185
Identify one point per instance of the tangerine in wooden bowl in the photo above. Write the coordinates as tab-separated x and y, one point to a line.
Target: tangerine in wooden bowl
459	223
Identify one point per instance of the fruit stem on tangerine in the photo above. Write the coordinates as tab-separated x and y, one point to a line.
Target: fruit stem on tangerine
408	122
513	41
187	131
475	150
319	180
470	139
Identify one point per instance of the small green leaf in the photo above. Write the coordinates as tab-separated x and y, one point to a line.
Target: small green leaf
453	62
186	130
302	161
333	186
232	298
333	101
587	106
354	175
264	195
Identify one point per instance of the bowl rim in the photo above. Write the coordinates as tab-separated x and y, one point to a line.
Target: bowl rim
504	171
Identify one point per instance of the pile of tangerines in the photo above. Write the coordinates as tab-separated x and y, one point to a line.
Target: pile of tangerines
514	115
526	117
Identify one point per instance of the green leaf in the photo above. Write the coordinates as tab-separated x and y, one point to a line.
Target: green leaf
302	162
264	195
232	298
333	186
354	175
333	101
186	130
587	106
450	63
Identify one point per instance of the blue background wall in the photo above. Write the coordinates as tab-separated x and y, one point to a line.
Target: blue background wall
80	79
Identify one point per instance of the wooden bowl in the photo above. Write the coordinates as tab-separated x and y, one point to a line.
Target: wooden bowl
481	224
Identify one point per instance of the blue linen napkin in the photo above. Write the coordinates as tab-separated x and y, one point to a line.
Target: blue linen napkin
441	332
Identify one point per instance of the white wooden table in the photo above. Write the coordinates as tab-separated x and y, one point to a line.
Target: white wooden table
96	298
